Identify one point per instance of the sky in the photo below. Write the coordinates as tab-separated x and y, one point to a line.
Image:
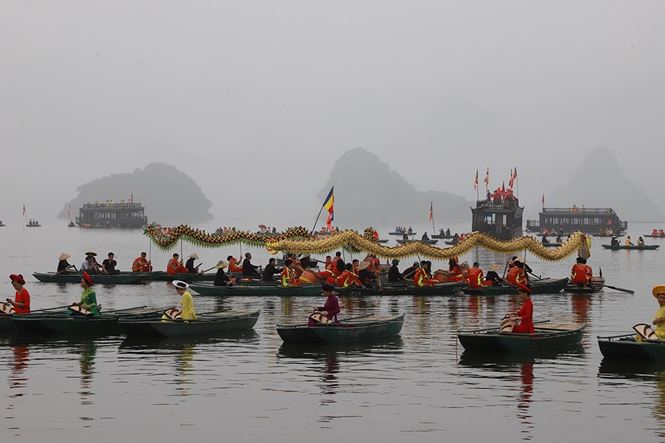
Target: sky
256	100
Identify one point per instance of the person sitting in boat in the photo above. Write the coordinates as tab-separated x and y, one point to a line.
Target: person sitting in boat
525	314
109	265
328	312
661	233
614	242
393	273
545	241
475	277
189	264
640	241
21	302
63	264
654	232
516	275
142	264
88	304
659	319
340	266
628	241
410	231
354	265
425	237
455	238
289	278
581	274
90	264
492	278
187	311
328	264
221	279
423	275
348	278
366	273
559	239
410	271
175	266
270	270
248	269
455	272
527	269
233	264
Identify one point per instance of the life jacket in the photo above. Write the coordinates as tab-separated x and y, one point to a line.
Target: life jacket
421	278
347	278
289	277
475	277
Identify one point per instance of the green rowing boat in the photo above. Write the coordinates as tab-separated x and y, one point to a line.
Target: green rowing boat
210	323
596	286
626	348
393	288
256	290
345	331
548	335
100	279
544	286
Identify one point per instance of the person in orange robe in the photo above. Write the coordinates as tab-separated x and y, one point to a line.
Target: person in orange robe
422	277
175	266
454	271
142	264
581	274
475	276
516	275
233	264
349	278
289	275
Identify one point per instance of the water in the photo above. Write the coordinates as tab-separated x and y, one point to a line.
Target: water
250	387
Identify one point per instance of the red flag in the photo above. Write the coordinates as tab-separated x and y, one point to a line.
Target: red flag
430	216
475	181
511	180
487	177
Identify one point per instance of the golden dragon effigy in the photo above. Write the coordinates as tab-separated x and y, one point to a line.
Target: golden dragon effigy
298	240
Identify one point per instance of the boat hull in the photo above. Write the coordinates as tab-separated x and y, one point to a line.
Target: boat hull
247	290
631	248
543	339
545	286
100	279
441	289
342	332
625	348
211	324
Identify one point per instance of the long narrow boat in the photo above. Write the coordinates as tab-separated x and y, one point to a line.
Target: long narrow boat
548	335
256	290
346	331
596	286
427	242
626	348
101	279
392	288
164	276
211	323
630	248
544	286
653	236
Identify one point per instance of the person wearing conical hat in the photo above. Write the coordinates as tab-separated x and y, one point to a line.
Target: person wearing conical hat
659	319
189	264
221	279
21	302
63	264
186	302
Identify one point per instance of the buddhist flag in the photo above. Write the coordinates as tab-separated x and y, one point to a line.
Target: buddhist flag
328	204
430	216
475	181
487	177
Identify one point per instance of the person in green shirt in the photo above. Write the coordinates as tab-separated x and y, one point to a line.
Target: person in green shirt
187	311
659	319
88	301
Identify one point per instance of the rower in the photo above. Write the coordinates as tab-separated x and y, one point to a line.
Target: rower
659	318
289	274
142	264
425	237
581	274
90	264
21	302
516	275
189	264
455	273
423	276
110	264
614	242
348	278
393	273
221	279
88	303
475	277
628	241
545	241
233	264
175	266
63	264
327	313
187	311
492	278
248	269
640	241
525	314
270	270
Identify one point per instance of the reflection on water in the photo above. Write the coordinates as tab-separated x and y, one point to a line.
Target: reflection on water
526	390
88	350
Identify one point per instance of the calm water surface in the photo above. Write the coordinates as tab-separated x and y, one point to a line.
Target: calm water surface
250	387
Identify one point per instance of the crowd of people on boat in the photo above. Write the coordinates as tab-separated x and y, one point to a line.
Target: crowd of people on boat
654	232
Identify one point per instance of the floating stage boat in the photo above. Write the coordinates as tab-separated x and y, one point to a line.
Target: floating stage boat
634	247
345	331
248	290
596	286
626	348
393	288
211	323
544	286
548	335
128	278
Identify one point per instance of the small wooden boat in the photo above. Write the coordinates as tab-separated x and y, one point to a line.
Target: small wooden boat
248	290
596	286
164	276
100	279
551	245
653	236
452	242
402	233
626	348
634	247
544	286
406	288
345	331
210	323
548	335
442	236
382	241
427	242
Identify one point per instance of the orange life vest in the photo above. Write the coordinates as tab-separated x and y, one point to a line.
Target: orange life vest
516	276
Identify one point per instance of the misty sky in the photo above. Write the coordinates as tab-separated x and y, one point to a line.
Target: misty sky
266	95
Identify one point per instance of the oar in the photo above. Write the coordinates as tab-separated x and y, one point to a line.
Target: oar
126	309
537	276
627	291
50	309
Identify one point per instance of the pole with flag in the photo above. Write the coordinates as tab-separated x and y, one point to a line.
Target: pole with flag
487	180
542	200
517	183
475	186
431	216
328	203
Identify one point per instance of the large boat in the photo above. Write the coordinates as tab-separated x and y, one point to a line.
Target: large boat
111	214
594	221
500	215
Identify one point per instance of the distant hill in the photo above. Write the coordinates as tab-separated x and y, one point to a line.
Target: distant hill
600	182
368	192
170	196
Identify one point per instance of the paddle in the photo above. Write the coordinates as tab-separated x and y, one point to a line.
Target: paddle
627	291
50	309
126	309
537	276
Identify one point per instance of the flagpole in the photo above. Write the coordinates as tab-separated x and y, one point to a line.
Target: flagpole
432	212
319	214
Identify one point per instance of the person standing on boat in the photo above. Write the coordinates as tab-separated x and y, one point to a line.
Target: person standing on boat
142	264
329	310
659	318
270	270
88	303
175	266
221	279
187	311
525	314
339	265
248	269
581	274
189	264
110	264
63	264
21	302
393	273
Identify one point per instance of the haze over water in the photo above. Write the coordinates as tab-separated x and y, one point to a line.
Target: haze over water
250	387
